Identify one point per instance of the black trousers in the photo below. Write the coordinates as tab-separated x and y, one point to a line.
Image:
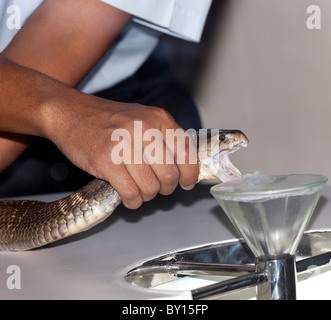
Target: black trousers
43	169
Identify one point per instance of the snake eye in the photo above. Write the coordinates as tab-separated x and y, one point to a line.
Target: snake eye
222	137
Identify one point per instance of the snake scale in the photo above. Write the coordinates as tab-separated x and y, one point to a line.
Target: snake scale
28	224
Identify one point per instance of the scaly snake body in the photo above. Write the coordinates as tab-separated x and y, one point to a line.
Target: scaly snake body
27	224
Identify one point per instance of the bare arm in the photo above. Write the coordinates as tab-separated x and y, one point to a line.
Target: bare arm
63	39
32	103
82	126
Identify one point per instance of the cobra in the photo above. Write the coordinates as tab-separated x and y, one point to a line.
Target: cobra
28	224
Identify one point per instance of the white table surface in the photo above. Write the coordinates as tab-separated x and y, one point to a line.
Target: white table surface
91	265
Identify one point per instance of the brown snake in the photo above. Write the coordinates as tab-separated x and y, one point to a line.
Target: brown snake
28	224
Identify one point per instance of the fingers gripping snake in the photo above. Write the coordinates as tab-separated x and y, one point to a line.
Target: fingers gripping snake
28	224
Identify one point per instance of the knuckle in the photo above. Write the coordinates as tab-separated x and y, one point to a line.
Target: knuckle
132	199
130	194
164	114
145	125
152	189
170	176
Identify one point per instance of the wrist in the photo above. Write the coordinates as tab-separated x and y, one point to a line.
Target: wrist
54	110
22	98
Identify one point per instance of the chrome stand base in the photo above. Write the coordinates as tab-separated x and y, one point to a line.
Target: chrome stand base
275	277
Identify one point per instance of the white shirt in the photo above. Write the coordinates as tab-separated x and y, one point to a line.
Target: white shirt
180	18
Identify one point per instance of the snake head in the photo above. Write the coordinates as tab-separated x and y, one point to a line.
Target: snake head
213	154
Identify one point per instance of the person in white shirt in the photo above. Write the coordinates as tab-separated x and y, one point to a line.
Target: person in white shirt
104	48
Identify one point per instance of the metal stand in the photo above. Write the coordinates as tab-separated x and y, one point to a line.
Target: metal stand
274	277
280	273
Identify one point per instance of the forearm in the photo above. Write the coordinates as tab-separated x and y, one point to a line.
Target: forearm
63	40
23	93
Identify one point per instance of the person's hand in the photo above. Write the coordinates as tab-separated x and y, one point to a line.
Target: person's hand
82	127
84	131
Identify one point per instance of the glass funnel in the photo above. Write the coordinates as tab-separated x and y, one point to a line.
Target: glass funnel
270	212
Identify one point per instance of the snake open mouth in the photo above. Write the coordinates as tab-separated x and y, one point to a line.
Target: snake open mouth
223	168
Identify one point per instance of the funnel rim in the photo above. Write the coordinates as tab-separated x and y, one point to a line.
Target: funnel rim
248	195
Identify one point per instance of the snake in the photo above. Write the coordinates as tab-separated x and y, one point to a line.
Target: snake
30	224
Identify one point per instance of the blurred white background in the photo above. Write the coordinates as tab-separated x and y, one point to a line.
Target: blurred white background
260	69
